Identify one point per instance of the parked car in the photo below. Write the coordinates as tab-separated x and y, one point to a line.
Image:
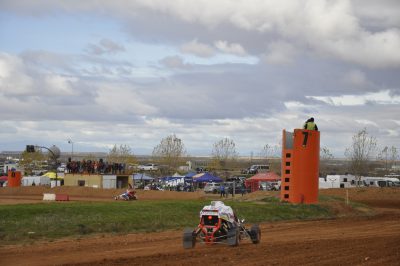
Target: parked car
239	187
212	187
274	186
148	167
254	169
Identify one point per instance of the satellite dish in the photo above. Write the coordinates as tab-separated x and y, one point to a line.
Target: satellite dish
55	152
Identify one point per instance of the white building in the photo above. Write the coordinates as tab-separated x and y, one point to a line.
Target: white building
337	181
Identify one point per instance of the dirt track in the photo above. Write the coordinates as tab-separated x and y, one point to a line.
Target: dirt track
346	241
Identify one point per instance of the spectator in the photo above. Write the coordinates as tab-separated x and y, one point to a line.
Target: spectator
222	191
310	125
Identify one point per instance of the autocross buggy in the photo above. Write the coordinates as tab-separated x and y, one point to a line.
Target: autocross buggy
219	225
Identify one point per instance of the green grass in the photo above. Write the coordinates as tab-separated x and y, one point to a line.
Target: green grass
30	222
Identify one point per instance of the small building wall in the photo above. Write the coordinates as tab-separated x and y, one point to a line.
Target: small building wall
83	180
99	181
109	181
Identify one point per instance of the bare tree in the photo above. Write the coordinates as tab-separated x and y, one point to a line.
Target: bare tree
360	152
31	160
325	153
269	151
170	152
224	151
121	154
388	156
324	157
394	155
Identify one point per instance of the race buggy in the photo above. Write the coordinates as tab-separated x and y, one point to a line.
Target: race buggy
127	195
219	225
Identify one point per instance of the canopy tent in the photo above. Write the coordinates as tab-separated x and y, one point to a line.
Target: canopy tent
206	177
143	177
52	175
177	175
254	182
177	178
173	181
36	180
190	174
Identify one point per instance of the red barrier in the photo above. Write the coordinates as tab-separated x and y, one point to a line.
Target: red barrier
62	197
14	178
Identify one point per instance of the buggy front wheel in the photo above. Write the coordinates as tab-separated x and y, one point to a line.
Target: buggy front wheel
233	237
189	239
255	234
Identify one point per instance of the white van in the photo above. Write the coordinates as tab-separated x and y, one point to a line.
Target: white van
212	187
381	183
148	167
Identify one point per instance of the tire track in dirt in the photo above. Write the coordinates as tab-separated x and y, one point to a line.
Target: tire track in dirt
372	240
354	240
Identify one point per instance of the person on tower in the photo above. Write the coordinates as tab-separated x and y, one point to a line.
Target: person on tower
310	124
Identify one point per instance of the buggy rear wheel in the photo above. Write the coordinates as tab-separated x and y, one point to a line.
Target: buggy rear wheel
189	238
255	234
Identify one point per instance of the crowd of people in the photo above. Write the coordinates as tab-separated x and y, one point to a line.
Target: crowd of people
95	167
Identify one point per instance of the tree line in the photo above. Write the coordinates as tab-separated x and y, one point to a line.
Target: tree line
171	153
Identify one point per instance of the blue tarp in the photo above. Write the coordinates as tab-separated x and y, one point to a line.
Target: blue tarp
190	174
207	177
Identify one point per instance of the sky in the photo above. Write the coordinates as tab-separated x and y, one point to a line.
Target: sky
129	72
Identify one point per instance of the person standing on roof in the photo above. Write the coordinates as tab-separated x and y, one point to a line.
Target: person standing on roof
310	125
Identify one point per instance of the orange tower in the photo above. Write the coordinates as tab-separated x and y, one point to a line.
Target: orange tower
14	178
300	166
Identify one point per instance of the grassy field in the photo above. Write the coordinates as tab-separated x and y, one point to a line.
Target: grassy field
31	222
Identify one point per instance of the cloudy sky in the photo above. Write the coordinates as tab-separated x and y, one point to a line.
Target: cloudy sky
133	72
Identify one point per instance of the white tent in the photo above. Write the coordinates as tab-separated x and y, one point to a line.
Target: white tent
37	180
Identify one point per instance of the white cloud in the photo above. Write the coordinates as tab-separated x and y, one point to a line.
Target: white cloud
198	49
105	46
174	62
123	100
378	14
280	53
375	50
330	28
59	85
356	77
295	105
230	48
13	77
381	97
366	122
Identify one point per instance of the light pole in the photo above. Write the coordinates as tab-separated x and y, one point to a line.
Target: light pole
54	152
72	151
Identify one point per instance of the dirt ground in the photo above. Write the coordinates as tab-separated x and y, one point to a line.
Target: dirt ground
354	240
